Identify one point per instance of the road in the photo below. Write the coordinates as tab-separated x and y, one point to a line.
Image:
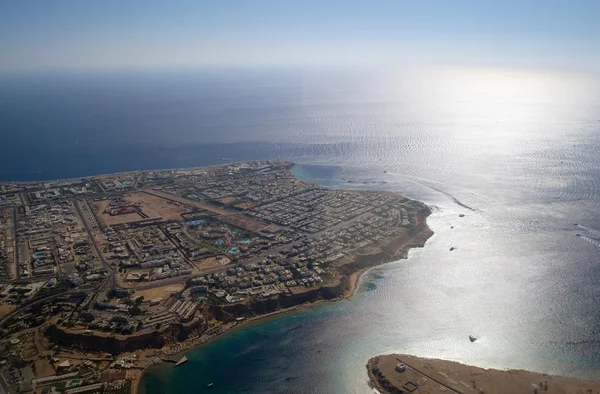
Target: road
34	302
95	245
38	345
176	280
16	244
3	385
431	377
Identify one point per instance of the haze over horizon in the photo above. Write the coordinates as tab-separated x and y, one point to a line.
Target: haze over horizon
39	36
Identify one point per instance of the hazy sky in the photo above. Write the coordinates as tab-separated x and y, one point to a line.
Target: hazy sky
56	34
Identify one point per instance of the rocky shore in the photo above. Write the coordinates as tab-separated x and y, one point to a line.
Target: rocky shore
349	276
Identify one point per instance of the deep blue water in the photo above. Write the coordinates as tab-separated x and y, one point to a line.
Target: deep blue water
516	152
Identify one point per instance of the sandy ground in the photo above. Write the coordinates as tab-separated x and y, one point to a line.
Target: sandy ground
161	291
110	220
111	375
245	205
136	376
210	262
238	220
43	368
157	207
5	309
244	222
431	376
197	204
228	200
353	282
153	207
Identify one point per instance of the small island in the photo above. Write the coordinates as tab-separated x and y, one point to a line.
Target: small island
403	374
103	277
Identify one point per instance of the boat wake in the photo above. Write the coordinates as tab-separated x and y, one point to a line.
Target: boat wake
596	233
589	230
421	181
590	240
456	200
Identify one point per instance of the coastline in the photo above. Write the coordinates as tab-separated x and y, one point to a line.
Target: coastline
136	383
348	272
354	280
79	178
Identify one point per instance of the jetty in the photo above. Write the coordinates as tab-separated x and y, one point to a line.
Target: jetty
176	362
181	361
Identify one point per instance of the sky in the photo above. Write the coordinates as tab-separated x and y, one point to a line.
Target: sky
113	34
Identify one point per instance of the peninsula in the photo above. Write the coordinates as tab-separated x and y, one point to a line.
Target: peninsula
400	374
102	277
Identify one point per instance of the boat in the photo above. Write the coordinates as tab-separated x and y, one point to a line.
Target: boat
181	361
209	385
472	338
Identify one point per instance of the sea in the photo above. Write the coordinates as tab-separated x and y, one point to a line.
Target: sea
507	159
